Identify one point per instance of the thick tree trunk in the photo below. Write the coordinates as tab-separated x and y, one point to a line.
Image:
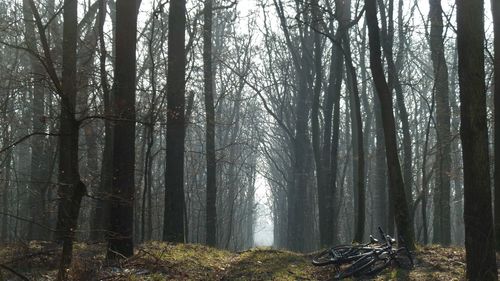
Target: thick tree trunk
120	240
211	197
298	194
496	29
397	190
322	154
479	229
383	211
394	83
173	227
442	223
71	189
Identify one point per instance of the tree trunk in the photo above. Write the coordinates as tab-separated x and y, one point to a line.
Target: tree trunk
6	169
22	151
397	190
99	216
383	211
358	164
331	140
442	223
71	189
297	196
336	86
425	178
479	229
211	197
496	64
297	193
322	154
173	227
38	180
120	240
395	85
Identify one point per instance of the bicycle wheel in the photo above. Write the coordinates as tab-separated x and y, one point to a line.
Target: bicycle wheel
355	268
323	258
374	267
340	254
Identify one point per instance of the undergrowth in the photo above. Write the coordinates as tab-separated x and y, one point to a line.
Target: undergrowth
166	261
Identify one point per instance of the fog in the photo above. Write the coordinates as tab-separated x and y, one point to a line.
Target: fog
263	231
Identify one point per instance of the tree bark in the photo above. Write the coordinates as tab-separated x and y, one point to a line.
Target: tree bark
173	227
71	188
384	211
211	197
120	240
6	169
322	153
99	220
479	229
441	223
496	64
358	156
394	83
396	184
297	193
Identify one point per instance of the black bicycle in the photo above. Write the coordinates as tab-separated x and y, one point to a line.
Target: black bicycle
366	259
343	253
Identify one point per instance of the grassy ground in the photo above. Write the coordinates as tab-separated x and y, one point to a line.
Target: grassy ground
161	261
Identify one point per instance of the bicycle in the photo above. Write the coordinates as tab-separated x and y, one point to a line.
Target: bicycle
343	253
366	259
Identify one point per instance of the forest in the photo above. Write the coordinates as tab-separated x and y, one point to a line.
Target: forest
135	128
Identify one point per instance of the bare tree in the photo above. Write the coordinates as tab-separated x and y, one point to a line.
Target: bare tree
441	225
173	227
120	240
496	29
396	184
479	229
210	125
99	220
71	188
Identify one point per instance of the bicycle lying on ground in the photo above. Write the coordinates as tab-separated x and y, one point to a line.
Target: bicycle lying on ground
367	259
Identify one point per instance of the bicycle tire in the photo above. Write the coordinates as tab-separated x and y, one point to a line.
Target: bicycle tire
338	255
355	268
323	258
374	268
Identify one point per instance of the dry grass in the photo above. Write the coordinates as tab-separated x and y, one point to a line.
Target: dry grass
164	261
432	262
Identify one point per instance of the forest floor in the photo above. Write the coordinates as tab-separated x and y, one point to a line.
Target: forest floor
162	261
